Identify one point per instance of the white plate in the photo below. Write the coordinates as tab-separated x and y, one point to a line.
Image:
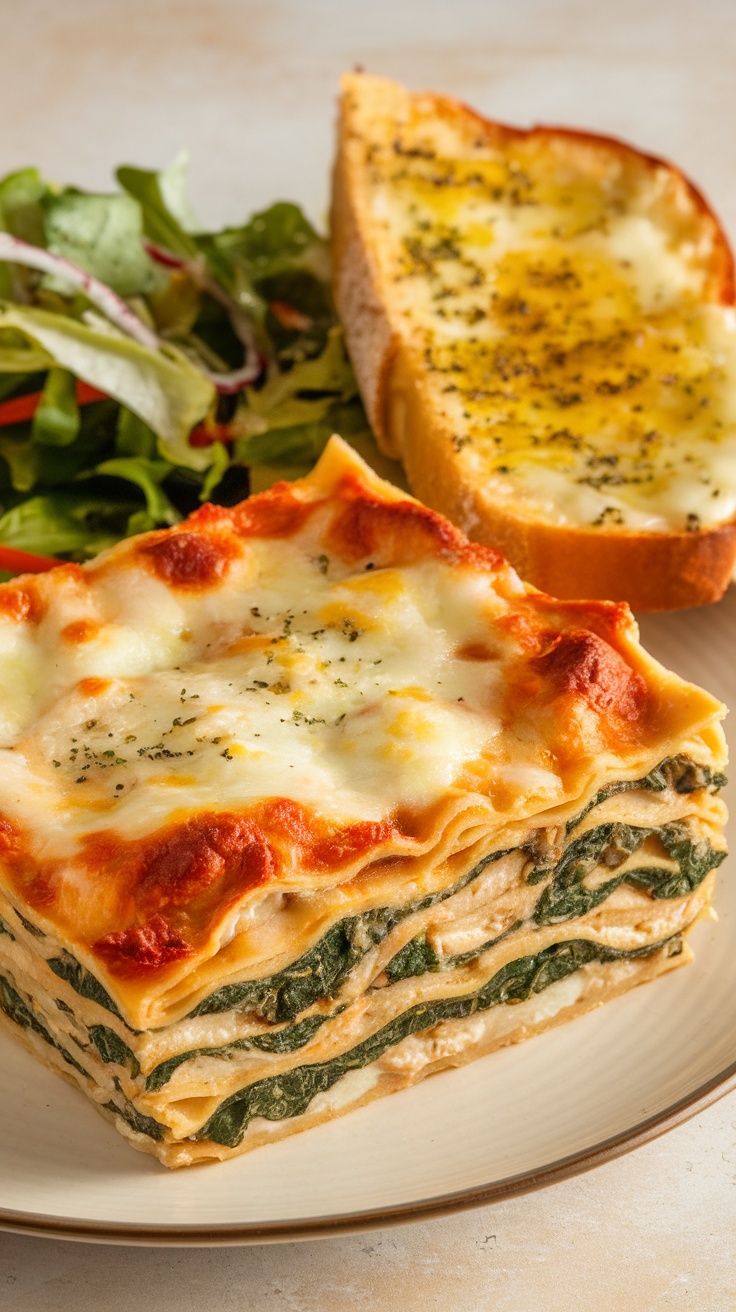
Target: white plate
511	1122
249	87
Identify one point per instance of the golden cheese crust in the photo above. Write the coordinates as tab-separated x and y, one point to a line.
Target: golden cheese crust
546	393
325	690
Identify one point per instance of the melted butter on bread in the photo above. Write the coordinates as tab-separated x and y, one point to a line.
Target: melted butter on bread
542	326
557	294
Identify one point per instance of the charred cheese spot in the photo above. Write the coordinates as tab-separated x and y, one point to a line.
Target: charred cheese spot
524	628
182	862
80	631
21	601
209	518
314	843
93	686
277	513
393	533
32	879
8	835
480	557
346	845
229	850
475	651
189	560
610	620
143	947
581	663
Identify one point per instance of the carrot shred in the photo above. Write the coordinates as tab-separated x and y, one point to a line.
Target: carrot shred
16	561
21	408
208	433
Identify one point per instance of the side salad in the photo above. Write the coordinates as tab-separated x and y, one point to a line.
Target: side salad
146	365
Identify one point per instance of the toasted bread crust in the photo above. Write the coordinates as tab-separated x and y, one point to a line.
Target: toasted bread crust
651	571
657	570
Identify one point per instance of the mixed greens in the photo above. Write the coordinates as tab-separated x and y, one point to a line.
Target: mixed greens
146	366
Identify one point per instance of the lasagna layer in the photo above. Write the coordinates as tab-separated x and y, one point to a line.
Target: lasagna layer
500	934
426	1038
300	797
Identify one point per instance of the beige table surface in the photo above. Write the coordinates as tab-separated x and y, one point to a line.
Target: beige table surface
90	83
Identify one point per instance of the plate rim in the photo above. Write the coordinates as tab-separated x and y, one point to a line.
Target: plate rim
331	1226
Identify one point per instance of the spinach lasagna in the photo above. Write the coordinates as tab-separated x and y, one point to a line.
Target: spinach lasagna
306	799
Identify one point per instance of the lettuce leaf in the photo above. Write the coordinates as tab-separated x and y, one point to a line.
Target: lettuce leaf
148	475
71	523
294	414
133	437
217	470
56	421
172	184
162	199
162	387
277	239
18	355
21	458
104	235
21	215
301	443
21	194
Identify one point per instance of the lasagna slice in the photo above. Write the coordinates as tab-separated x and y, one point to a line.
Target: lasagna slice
307	799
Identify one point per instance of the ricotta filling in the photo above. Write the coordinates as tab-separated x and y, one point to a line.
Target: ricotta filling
163	1085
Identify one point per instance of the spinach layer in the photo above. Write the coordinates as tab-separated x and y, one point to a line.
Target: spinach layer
280	1097
289	1039
677	772
20	1011
84	983
320	972
136	1120
565	898
111	1048
610	845
29	926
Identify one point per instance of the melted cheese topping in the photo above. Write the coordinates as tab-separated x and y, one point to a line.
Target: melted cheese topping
269	700
340	694
555	293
